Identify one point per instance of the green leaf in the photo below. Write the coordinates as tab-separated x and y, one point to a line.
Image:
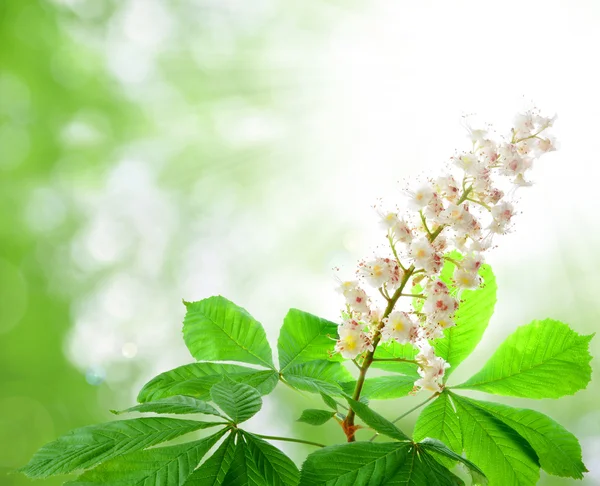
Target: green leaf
237	475
330	402
504	456
543	359
439	448
162	466
421	469
318	376
471	318
214	470
196	379
314	416
271	466
439	421
215	329
558	450
376	421
258	463
85	447
238	400
354	463
177	404
384	387
304	337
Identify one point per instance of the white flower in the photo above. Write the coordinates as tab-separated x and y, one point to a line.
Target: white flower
457	217
421	252
434	208
502	214
447	187
376	272
352	342
420	198
433	327
388	220
358	300
473	262
469	162
398	326
380	271
465	279
524	125
402	232
436	286
432	375
545	145
440	305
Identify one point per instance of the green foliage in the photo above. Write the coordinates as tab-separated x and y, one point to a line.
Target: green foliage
177	404
376	421
238	400
319	376
505	444
371	463
85	447
196	380
329	401
162	466
258	463
503	454
557	449
544	359
541	359
439	420
304	337
213	471
439	449
362	463
217	329
315	416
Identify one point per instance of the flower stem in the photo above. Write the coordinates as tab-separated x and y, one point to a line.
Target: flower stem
348	424
289	439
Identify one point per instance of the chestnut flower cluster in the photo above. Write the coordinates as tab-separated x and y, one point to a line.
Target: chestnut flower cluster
463	210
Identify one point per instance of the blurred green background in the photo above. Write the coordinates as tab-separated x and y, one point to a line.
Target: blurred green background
152	150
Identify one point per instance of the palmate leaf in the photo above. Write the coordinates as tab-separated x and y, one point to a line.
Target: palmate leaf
305	337
196	379
214	470
319	376
177	404
258	463
439	449
471	318
376	421
354	463
215	329
420	469
375	464
558	450
439	420
314	416
162	466
504	456
543	359
238	400
85	447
